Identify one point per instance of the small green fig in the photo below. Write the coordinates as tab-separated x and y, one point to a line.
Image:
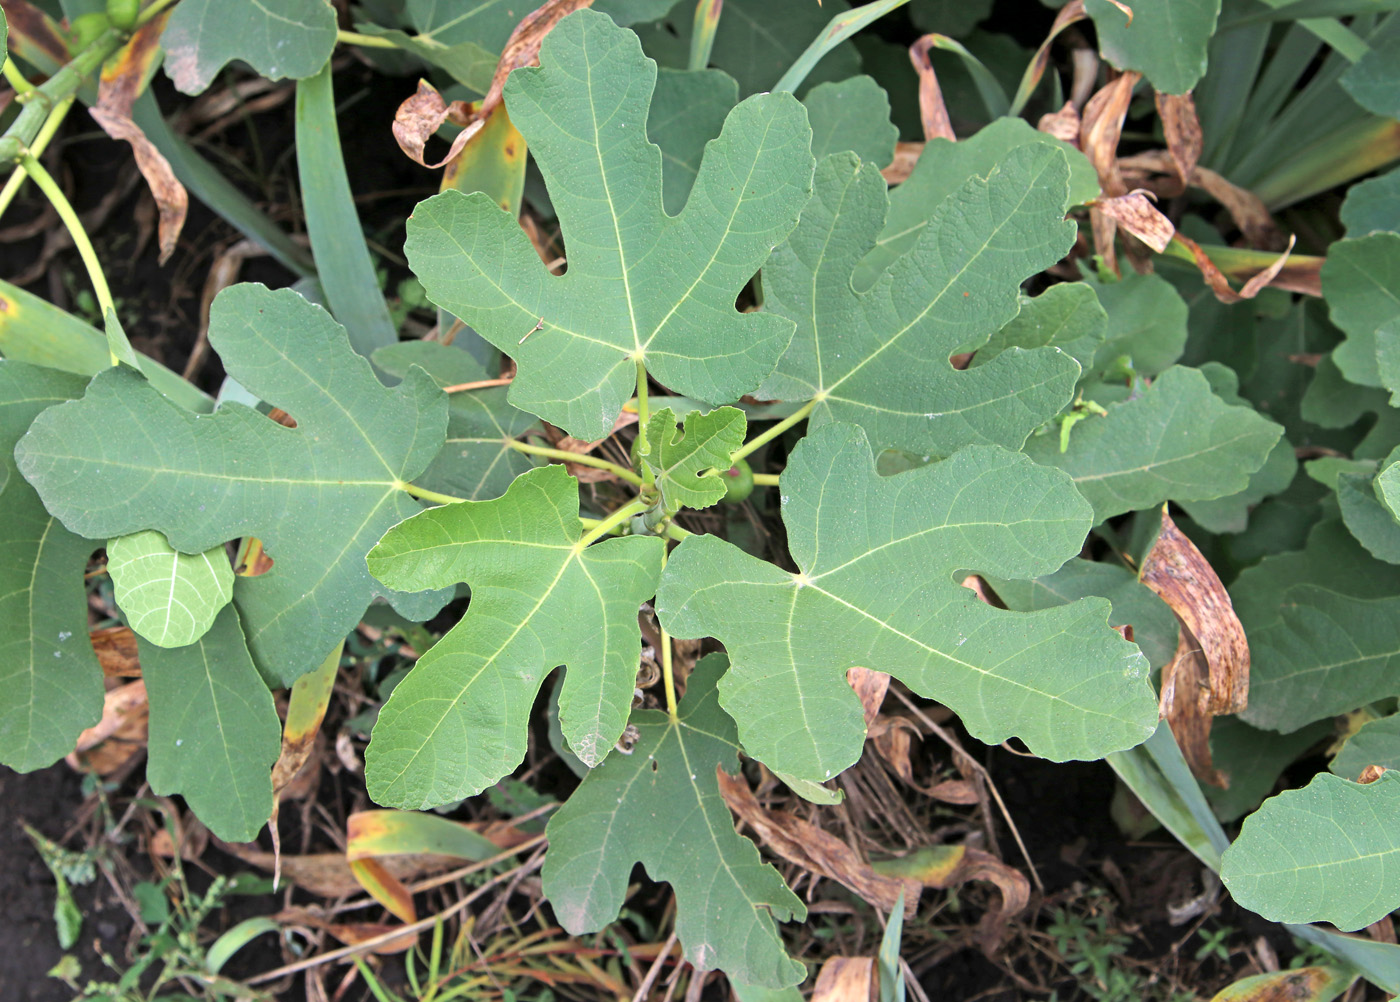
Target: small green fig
83	31
738	482
123	13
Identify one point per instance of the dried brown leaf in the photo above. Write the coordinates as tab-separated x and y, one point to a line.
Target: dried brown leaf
124	709
815	850
1220	285
116	651
1182	679
906	155
1245	207
1068	15
523	47
1182	129
944	866
846	979
1135	213
328	873
1063	124
933	111
419	117
871	687
1210	674
1102	127
122	80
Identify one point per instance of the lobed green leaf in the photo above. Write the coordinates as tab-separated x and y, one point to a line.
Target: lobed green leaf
641	286
660	805
1325	853
689	467
876	589
880	358
125	458
456	724
214	732
1178	441
50	681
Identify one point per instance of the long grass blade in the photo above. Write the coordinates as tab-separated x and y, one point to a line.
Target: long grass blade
841	27
342	257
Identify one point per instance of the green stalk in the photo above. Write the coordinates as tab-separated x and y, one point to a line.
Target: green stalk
16	80
427	495
45	98
643	408
674	531
620	472
19	175
765	480
365	41
702	38
612	522
759	441
668	671
55	195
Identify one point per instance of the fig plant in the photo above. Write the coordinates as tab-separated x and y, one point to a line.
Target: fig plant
1041	464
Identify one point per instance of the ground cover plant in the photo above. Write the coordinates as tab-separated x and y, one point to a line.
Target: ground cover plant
740	417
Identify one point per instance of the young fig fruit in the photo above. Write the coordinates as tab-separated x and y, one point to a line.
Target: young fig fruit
738	482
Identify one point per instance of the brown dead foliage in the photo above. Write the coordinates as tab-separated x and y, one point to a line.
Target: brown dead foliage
1209	675
933	111
123	79
817	851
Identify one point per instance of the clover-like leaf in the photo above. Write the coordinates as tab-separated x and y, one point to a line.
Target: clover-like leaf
169	598
689	466
214	729
291	38
1361	280
50	681
1372	206
1370	520
125	458
1326	653
456	724
1325	853
1177	442
660	805
880	358
641	286
876	589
